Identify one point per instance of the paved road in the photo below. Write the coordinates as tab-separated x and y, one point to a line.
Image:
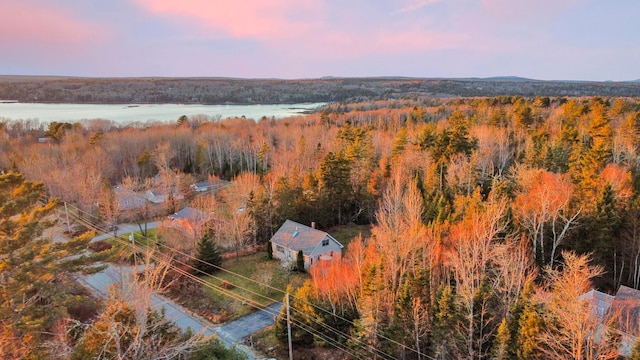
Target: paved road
121	276
231	334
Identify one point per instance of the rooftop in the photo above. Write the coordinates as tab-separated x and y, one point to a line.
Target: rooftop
298	237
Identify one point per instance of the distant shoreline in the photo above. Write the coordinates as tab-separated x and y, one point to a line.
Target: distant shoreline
228	91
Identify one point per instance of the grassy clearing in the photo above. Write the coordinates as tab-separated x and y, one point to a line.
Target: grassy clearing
346	233
122	246
255	267
265	341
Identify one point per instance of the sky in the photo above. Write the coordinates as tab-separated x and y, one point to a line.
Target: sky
595	40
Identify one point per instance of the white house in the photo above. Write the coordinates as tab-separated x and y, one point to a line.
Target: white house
316	245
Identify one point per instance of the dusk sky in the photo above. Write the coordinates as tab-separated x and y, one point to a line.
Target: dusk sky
290	39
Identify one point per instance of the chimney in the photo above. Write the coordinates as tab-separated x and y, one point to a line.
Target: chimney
313	224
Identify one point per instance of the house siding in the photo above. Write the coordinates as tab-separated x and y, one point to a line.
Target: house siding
332	249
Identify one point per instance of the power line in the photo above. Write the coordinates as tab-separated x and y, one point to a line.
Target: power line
226	292
235	296
206	284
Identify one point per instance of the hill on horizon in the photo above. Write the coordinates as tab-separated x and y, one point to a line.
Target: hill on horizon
203	90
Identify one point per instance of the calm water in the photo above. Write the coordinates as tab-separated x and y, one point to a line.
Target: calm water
123	114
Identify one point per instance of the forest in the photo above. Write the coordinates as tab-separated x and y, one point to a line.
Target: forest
490	217
158	90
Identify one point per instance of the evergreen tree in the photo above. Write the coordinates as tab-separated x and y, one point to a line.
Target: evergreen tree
444	320
208	257
182	120
36	289
399	142
601	230
460	142
502	342
263	159
523	116
371	320
596	152
530	326
269	250
300	261
336	194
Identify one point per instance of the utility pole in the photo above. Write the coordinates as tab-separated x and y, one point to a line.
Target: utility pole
289	326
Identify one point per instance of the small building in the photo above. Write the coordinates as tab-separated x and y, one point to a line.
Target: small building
189	221
128	199
202	186
156	197
315	244
190	214
208	185
621	310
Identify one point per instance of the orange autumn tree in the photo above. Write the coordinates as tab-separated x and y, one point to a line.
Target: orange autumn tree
543	208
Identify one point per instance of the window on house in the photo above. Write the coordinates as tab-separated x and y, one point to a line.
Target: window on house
330	253
279	248
325	242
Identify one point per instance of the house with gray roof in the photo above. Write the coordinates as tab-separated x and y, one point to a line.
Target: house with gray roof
129	199
189	221
621	311
316	245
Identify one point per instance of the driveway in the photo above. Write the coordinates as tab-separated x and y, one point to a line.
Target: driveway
230	334
233	332
121	276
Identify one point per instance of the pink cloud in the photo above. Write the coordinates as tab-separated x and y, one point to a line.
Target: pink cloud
28	24
259	19
316	31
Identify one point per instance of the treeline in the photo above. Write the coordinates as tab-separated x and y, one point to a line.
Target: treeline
483	209
277	91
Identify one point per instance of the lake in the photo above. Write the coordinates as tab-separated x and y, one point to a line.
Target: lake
128	113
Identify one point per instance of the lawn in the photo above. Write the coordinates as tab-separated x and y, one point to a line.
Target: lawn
346	233
249	294
122	244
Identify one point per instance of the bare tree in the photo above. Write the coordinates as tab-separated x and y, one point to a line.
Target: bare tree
572	329
399	231
543	206
473	250
129	327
